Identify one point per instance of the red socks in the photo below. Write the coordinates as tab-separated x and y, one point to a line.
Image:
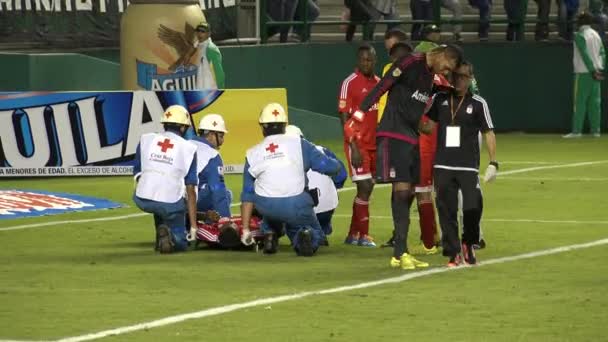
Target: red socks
428	227
360	220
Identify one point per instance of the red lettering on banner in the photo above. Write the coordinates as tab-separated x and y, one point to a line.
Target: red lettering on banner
27	201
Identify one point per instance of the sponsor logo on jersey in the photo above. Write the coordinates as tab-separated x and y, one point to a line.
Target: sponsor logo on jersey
420	96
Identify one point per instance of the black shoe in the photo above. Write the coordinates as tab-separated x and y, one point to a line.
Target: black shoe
480	245
325	242
389	243
165	240
270	244
304	247
469	254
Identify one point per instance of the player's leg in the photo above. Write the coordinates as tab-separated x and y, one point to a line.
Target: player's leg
426	209
364	192
595	107
362	177
404	168
400	207
447	206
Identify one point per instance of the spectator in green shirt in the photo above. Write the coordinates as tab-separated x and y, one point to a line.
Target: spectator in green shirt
589	59
211	72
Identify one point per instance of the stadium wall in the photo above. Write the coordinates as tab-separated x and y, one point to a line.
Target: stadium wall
527	85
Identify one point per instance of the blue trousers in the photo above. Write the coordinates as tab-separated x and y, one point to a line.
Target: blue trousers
325	221
204	200
171	214
295	212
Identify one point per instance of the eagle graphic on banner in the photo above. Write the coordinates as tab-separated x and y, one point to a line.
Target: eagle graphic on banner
183	43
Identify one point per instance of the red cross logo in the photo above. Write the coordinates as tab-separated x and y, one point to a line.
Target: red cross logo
165	145
272	147
168	114
275	113
214	123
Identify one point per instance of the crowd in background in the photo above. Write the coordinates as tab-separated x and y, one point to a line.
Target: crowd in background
364	12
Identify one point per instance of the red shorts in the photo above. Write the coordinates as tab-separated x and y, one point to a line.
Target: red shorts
426	172
368	166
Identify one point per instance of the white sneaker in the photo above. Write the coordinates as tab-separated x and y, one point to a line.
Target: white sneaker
572	135
596	135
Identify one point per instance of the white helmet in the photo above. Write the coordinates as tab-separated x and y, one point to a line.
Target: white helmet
176	114
273	113
293	130
213	122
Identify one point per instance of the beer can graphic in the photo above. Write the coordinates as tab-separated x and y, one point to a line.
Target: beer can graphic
158	45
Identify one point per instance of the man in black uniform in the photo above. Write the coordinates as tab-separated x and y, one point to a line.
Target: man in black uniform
460	116
409	83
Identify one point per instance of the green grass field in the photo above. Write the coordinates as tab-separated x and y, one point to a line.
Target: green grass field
79	278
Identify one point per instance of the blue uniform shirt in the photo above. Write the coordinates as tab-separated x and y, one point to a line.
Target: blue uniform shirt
339	178
212	178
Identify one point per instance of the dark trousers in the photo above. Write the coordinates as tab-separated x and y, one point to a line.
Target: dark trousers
325	221
281	10
601	23
566	13
312	13
515	10
484	7
421	10
447	184
360	11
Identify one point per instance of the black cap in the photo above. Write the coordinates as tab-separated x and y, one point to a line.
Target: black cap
584	18
431	29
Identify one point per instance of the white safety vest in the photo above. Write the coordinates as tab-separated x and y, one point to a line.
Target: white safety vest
165	161
277	166
328	194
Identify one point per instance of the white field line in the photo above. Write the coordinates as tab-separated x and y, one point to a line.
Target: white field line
522	162
556	179
547	167
381	217
112	218
285	298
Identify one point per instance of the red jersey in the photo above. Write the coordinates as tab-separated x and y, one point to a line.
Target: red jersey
210	232
353	91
